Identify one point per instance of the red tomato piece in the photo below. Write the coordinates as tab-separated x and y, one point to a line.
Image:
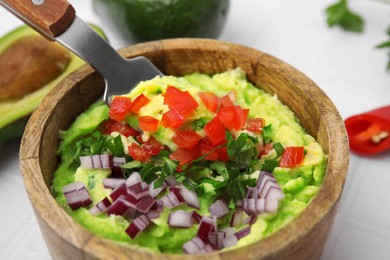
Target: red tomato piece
148	123
152	146
229	99
121	127
181	101
212	153
186	138
255	125
210	100
232	117
215	131
206	147
183	155
139	102
120	108
292	156
222	154
172	119
137	153
266	149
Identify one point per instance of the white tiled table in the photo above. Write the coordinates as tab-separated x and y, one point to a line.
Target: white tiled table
344	65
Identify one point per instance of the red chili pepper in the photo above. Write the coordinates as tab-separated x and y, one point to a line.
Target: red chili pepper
369	133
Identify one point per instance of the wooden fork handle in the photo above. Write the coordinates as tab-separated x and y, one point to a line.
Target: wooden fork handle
50	17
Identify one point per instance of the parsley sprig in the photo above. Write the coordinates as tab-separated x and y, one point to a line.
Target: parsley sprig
339	14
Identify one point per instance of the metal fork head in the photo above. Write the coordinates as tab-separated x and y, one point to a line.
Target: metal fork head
127	75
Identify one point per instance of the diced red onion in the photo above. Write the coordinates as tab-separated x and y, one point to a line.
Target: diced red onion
171	180
130	213
137	226
180	219
252	193
267	185
118	191
116	170
138	190
196	217
119	206
190	197
98	161
158	206
133	179
243	232
219	208
100	207
208	248
271	206
71	187
206	226
86	162
145	204
77	195
237	218
230	241
274	193
112	183
191	247
174	198
153	214
228	231
155	191
167	202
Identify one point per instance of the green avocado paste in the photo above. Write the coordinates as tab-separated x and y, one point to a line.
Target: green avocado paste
201	163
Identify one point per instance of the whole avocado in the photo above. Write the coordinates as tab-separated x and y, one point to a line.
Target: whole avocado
146	20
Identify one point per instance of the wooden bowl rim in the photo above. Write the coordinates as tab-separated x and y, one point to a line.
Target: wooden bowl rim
309	218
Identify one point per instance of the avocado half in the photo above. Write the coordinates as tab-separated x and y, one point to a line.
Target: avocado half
14	114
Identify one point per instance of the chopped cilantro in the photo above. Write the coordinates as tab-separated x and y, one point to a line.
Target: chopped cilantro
268	133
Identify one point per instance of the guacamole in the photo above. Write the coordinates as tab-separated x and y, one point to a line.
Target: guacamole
221	157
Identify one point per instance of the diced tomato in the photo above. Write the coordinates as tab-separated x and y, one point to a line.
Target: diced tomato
229	99
255	125
186	138
266	149
152	146
120	108
139	102
292	156
181	101
121	127
210	100
215	131
172	119
232	117
137	153
148	123
184	155
222	154
206	147
213	154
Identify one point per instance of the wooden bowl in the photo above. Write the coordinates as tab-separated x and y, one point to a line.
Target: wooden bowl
303	238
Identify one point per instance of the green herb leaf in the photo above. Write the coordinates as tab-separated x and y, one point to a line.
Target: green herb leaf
220	168
132	165
115	145
268	133
278	148
169	167
269	165
339	14
149	173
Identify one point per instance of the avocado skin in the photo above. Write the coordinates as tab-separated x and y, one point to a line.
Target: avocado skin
146	20
13	127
